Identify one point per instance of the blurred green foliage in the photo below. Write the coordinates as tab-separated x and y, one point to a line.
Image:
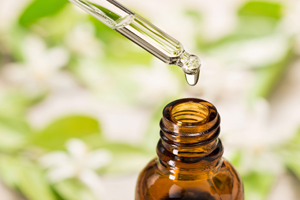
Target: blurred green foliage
22	145
39	9
55	135
290	154
22	175
263	9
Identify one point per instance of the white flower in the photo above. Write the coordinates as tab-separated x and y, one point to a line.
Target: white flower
41	66
82	41
78	162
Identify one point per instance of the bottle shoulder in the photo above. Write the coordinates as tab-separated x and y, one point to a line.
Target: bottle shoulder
155	168
159	184
228	181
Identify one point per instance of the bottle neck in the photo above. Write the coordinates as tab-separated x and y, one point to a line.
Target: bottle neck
189	144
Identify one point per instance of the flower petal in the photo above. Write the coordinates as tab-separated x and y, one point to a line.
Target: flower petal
55	159
98	158
61	173
77	148
92	180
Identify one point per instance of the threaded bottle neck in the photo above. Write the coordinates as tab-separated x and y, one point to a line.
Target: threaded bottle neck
189	135
188	121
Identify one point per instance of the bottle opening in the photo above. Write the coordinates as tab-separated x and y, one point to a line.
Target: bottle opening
190	113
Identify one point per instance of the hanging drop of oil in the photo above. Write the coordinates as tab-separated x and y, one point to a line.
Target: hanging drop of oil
192	79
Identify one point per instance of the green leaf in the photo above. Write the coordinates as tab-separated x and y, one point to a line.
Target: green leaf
255	19
119	49
13	133
20	174
195	14
55	135
268	77
294	165
119	147
258	185
39	9
17	124
56	28
127	163
103	32
72	189
9	171
121	153
236	159
289	153
128	54
262	8
33	184
10	140
248	28
106	12
14	38
13	104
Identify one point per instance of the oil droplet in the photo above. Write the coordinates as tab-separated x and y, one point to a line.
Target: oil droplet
192	79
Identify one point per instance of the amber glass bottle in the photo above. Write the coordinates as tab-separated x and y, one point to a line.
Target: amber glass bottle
189	164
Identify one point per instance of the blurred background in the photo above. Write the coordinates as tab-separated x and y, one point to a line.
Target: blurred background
80	105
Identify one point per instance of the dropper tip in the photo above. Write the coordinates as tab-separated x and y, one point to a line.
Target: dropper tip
192	79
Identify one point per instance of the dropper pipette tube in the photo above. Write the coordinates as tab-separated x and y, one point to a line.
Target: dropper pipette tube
144	34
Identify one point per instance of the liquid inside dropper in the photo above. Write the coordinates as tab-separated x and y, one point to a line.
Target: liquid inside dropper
144	34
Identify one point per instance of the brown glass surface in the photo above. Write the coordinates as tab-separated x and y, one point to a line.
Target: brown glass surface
189	165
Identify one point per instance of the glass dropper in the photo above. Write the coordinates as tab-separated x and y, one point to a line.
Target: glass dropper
144	34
